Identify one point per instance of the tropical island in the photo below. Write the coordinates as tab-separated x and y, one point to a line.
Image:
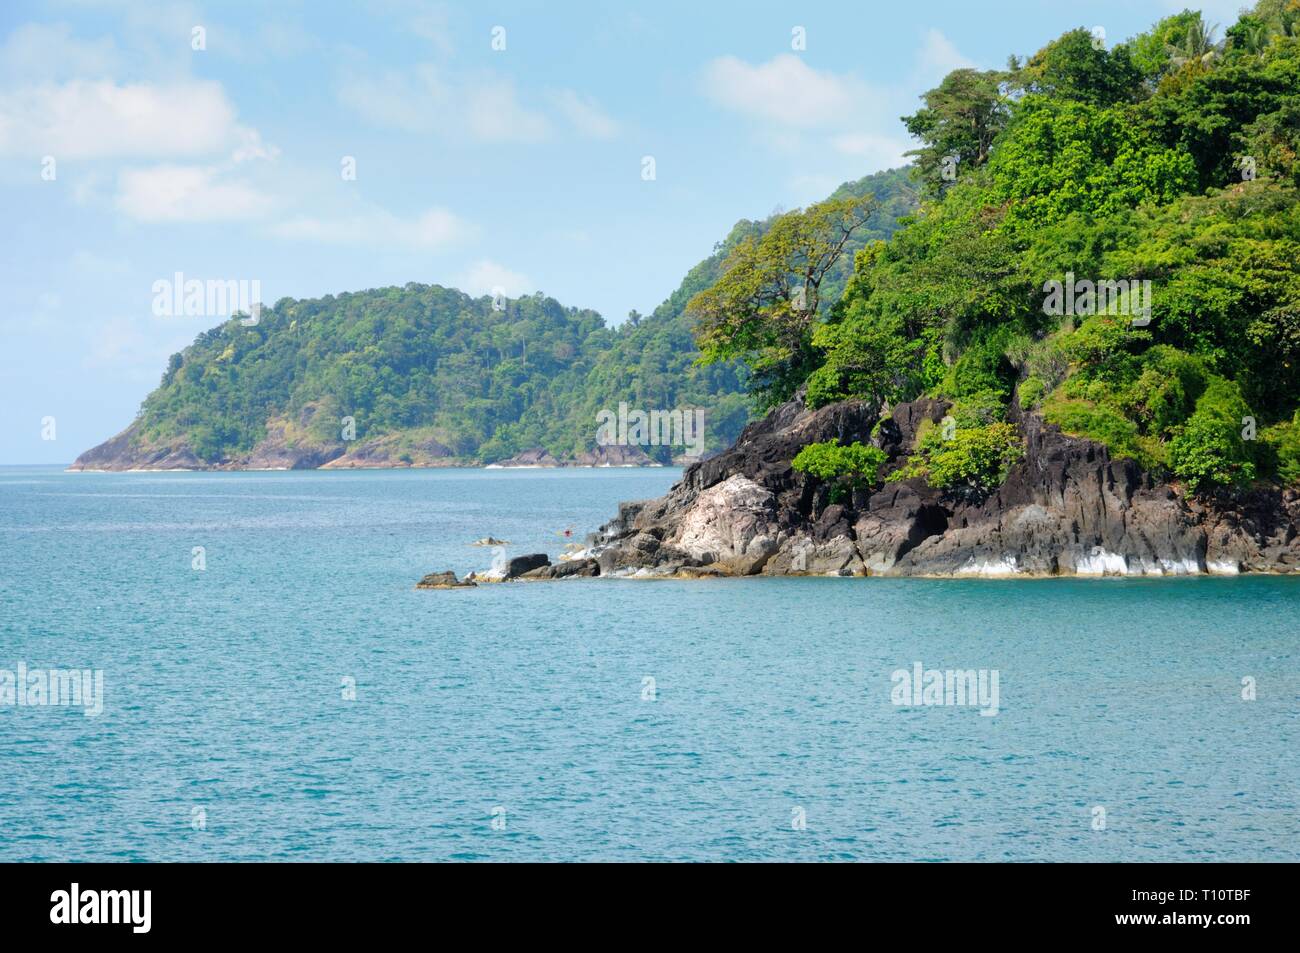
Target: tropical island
1064	341
427	376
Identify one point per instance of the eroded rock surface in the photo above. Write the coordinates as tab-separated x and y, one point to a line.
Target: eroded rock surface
1066	508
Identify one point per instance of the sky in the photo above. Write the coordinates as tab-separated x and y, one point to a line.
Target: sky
592	151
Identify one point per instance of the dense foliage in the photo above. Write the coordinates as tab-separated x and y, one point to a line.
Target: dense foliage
847	466
1172	158
969	461
436	364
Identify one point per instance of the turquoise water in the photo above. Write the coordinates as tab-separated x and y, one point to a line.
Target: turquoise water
225	734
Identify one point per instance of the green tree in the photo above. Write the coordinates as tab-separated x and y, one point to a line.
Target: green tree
961	118
1076	68
764	306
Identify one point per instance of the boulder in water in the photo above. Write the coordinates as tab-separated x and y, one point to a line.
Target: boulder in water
444	580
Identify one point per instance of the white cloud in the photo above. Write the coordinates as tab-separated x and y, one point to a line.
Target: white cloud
184	193
91	187
89	264
37	52
496	115
785	89
831	127
938	58
880	151
434	229
94	119
423	100
409	101
486	106
133	350
117	341
485	277
252	147
584	114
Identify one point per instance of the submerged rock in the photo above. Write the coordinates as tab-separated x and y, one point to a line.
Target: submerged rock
1066	508
444	580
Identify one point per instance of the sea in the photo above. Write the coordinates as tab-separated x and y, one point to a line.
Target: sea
262	681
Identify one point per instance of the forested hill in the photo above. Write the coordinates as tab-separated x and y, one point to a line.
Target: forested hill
1110	239
425	375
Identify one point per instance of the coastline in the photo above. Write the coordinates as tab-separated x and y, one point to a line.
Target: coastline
72	468
1067	508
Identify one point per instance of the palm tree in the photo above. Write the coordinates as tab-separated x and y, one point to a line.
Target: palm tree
1198	46
1254	36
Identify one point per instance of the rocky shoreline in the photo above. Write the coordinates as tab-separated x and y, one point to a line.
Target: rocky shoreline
1067	508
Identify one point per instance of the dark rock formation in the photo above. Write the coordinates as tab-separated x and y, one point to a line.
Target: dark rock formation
1066	508
615	455
536	457
575	567
520	565
392	450
537	566
444	580
604	456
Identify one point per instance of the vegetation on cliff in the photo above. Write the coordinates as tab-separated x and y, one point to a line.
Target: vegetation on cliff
1111	237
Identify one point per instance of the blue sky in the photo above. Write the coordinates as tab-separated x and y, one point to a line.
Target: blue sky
518	167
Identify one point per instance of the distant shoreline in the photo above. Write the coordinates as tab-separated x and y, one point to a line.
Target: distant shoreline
69	468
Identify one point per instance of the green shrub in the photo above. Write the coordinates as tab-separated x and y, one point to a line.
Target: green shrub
1081	417
983	373
1103	345
853	465
1209	450
977	458
1032	390
1283	440
979	409
971	460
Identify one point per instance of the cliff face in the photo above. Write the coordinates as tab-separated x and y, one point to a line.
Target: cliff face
1066	508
